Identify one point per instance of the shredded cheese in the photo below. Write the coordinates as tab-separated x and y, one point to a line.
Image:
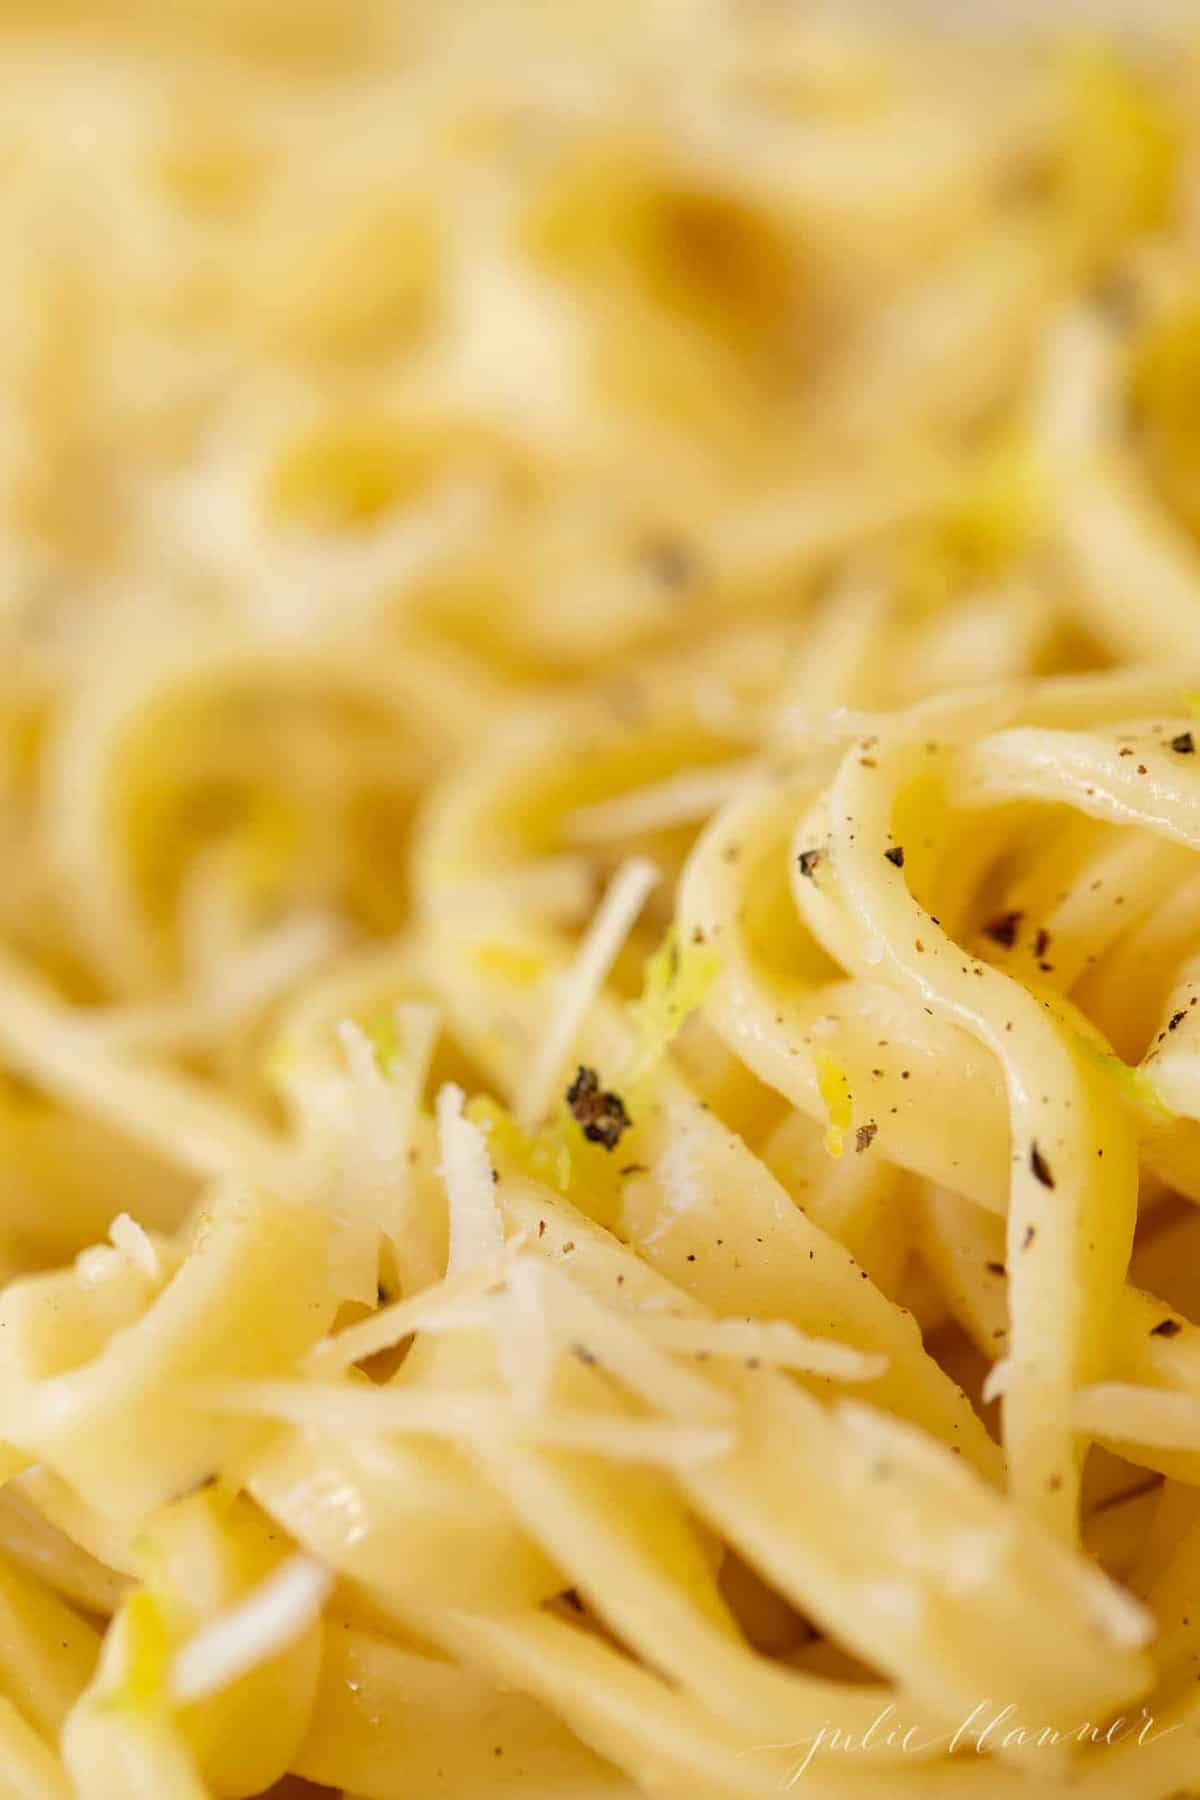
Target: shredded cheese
476	1230
614	919
388	1074
681	799
391	1324
127	1236
525	1338
463	1415
771	1342
995	1382
615	1341
261	1625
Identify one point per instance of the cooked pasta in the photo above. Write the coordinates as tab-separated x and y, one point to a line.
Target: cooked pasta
599	794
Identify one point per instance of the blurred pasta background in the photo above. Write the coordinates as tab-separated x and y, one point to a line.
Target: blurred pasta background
482	352
519	345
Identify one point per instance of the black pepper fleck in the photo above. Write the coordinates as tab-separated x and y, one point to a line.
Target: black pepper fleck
669	561
601	1113
1040	1166
1003	929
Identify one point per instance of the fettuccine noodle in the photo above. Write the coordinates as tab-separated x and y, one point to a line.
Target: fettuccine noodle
599	810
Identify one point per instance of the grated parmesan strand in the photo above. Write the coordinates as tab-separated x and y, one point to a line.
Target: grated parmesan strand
995	1382
262	1624
476	1230
579	985
682	799
773	1342
136	1246
417	1312
617	1342
525	1337
463	1414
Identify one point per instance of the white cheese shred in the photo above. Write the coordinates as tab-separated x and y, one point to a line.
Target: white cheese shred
614	920
269	1618
476	1230
135	1245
